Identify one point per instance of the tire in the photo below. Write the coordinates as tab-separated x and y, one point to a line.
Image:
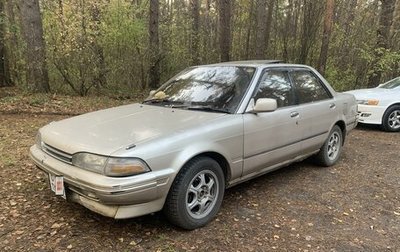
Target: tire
391	119
330	152
196	194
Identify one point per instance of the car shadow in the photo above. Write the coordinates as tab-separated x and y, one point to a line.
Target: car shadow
369	127
157	222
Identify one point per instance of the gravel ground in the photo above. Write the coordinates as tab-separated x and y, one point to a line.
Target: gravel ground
353	206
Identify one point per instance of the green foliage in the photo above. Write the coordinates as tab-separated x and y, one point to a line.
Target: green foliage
102	46
38	100
123	37
72	32
341	80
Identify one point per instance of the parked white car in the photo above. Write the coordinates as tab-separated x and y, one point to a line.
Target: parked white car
380	105
208	128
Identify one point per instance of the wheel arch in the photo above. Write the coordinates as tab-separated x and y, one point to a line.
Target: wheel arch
394	104
219	158
342	125
390	106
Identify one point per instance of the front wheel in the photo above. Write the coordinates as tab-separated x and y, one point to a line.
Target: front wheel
391	119
196	194
330	151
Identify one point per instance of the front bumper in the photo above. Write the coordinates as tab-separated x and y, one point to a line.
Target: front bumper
118	198
370	114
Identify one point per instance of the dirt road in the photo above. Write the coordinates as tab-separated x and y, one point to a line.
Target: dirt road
352	206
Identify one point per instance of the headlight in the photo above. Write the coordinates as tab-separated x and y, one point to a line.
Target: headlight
91	162
119	167
38	140
110	166
372	102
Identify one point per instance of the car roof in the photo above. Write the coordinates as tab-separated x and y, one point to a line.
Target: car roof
258	63
248	62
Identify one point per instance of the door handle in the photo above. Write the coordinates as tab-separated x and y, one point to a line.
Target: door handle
332	105
294	114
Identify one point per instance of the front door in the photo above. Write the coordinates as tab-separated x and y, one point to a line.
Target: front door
272	137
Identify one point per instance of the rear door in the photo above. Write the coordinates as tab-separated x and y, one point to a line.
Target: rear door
318	108
272	137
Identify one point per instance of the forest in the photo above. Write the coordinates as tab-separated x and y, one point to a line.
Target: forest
85	47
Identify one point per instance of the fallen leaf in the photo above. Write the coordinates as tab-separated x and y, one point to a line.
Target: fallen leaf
55	225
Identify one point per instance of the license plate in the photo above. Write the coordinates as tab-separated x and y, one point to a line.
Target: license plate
57	185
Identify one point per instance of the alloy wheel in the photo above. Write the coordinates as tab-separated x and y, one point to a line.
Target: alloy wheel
394	120
334	145
201	194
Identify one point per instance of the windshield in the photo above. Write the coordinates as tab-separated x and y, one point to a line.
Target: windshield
391	84
211	88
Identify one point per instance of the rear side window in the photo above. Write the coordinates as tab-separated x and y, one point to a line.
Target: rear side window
309	88
276	85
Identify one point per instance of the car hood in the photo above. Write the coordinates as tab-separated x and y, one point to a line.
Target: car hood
106	131
370	93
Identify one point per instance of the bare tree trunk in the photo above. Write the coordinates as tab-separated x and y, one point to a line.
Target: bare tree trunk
248	32
154	70
330	5
269	23
347	22
225	29
305	33
5	79
195	7
286	30
295	29
100	79
261	33
382	42
395	29
395	36
311	20
62	20
13	48
206	28
37	75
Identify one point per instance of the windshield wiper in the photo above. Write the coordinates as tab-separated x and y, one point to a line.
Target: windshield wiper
208	108
151	101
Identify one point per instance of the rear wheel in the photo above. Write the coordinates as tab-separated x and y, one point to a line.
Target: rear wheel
196	194
391	119
330	151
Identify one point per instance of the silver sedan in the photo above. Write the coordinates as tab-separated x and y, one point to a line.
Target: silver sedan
208	128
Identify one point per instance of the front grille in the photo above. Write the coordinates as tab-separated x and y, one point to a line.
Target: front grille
57	154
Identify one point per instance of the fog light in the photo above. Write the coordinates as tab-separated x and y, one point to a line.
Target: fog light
365	114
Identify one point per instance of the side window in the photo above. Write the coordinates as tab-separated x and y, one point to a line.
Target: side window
276	85
308	87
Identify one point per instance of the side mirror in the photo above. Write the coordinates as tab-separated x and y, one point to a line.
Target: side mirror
265	105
